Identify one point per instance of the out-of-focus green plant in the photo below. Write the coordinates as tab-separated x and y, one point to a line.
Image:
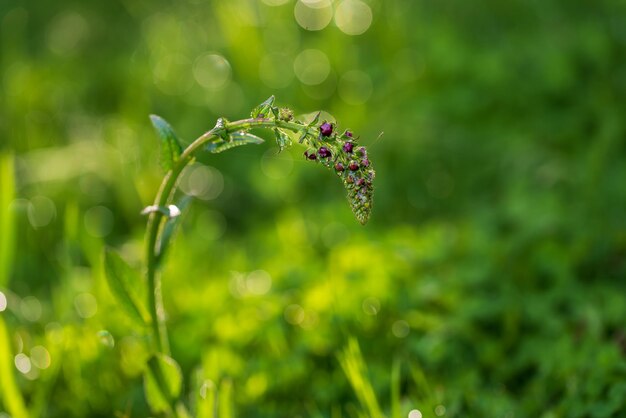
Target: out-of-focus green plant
143	301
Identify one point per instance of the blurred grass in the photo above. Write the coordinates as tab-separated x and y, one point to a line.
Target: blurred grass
489	282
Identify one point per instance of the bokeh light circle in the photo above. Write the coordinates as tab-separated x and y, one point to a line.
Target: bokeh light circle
311	66
275	2
275	70
86	305
171	74
203	182
400	329
41	211
415	414
353	17
313	15
40	357
355	87
22	363
276	166
212	71
99	221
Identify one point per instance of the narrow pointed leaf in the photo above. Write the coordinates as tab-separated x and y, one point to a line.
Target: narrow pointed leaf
127	286
10	394
7	217
235	139
204	397
162	383
170	145
263	110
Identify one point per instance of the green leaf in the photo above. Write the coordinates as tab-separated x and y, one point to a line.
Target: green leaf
235	139
7	217
170	146
204	397
225	399
10	394
162	383
263	110
170	229
282	139
127	286
305	131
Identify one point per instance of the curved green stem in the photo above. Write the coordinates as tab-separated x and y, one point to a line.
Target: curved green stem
163	198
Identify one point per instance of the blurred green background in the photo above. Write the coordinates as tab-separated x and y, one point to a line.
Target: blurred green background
490	281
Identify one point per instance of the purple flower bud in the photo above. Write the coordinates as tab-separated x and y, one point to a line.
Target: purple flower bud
306	154
348	134
360	182
350	179
312	156
347	147
324	152
365	162
326	129
362	151
339	167
353	166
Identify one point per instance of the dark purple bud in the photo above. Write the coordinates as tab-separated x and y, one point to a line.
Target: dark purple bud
365	162
360	182
348	146
353	166
339	167
362	151
324	152
306	154
326	129
312	156
348	134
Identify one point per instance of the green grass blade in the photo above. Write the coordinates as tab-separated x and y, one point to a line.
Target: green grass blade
395	390
7	222
225	399
9	393
354	367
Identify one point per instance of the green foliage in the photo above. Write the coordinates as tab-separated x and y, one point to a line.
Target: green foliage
264	110
234	139
10	395
7	221
127	286
354	366
170	145
491	272
162	383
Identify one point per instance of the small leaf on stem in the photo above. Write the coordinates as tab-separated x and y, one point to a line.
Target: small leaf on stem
235	139
170	145
263	110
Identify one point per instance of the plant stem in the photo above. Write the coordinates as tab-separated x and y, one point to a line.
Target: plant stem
155	219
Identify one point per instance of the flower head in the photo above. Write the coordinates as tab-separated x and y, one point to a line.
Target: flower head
326	129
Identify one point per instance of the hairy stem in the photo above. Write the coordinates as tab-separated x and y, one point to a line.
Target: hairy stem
155	219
